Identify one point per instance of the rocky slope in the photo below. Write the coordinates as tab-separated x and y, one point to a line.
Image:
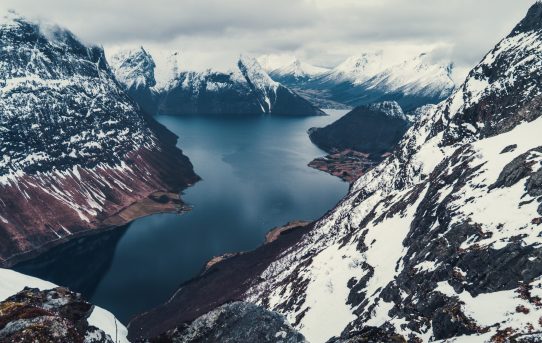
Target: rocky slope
235	322
77	155
32	310
367	78
246	90
441	241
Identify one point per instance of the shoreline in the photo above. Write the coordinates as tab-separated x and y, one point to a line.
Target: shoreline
148	206
348	164
223	279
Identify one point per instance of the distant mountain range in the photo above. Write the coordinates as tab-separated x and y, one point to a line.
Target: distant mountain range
366	79
246	89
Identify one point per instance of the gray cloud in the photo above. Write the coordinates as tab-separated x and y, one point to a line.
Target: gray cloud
213	32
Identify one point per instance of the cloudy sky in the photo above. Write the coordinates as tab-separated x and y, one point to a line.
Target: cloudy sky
212	33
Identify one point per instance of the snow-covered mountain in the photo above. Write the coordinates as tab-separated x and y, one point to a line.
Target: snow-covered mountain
355	69
77	154
43	312
368	78
246	89
291	70
442	239
441	242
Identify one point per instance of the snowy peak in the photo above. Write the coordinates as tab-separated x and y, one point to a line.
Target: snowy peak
254	73
298	70
358	68
134	68
532	21
502	90
390	108
417	76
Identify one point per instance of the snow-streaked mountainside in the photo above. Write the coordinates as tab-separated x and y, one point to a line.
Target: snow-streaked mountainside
441	241
368	78
76	151
12	282
355	69
246	89
290	70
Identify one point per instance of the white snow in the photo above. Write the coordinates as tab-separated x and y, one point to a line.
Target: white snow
12	282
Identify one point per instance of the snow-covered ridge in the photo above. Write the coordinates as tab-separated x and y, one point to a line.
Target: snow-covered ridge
134	68
415	76
441	241
390	108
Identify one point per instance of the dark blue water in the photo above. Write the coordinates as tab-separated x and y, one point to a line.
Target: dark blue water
255	177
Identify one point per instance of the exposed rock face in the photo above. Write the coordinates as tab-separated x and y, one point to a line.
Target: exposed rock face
77	154
441	241
55	316
247	90
235	322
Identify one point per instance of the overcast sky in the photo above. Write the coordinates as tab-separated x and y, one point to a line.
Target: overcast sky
212	33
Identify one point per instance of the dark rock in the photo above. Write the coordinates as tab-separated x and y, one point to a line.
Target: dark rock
237	322
366	129
509	148
55	316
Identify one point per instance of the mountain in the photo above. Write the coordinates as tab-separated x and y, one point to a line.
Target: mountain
359	140
367	78
295	72
32	310
438	243
135	70
78	156
373	129
245	90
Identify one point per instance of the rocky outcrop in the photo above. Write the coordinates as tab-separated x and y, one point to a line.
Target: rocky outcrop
235	322
55	316
78	156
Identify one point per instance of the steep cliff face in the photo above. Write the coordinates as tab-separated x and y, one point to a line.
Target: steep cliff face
77	155
247	89
438	243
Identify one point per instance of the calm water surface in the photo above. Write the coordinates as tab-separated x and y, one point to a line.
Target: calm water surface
255	177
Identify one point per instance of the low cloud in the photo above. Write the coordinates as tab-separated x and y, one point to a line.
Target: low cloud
211	33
